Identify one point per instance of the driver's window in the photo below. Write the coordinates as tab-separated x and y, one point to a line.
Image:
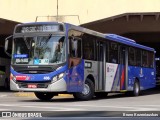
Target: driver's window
75	47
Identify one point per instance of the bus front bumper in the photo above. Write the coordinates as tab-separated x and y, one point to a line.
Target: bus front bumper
58	86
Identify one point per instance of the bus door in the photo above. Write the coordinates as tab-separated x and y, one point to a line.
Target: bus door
76	65
123	68
101	65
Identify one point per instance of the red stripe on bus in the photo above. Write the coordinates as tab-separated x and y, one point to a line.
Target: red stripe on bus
122	80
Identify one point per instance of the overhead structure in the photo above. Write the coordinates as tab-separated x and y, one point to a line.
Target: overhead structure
7	26
6	29
144	28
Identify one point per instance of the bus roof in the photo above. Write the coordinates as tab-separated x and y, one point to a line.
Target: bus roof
85	30
112	37
127	41
39	23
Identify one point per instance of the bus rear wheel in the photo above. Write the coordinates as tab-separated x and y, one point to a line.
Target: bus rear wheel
136	88
87	93
44	96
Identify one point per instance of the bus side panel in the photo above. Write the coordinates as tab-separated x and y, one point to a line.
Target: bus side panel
149	78
92	70
115	80
146	77
76	78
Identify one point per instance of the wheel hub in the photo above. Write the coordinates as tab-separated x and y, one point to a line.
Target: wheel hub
86	89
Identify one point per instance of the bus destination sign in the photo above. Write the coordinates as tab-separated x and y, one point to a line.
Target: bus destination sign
37	28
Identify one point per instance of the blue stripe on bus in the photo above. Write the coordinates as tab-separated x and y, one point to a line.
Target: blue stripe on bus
76	78
39	77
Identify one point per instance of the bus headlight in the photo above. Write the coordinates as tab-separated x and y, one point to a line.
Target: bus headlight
58	77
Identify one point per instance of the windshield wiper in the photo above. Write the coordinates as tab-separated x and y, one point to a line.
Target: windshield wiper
45	43
28	46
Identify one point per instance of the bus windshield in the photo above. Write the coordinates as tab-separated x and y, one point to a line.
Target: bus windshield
41	50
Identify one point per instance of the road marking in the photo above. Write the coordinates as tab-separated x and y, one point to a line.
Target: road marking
4	109
3	95
150	105
52	108
133	108
88	107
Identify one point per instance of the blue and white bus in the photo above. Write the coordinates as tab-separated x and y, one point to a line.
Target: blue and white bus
49	58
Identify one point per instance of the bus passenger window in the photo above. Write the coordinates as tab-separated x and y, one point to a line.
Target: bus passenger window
138	57
150	59
113	53
131	56
88	47
144	59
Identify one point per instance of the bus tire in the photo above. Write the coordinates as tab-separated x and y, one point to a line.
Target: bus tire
87	93
44	96
101	94
136	88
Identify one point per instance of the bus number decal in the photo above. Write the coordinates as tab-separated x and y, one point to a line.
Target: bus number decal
46	78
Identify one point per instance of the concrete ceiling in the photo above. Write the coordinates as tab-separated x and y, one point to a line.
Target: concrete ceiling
145	25
7	26
128	22
144	28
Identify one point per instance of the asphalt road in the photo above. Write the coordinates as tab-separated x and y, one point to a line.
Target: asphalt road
115	105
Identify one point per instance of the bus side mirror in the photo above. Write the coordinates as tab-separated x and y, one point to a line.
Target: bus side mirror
6	44
6	48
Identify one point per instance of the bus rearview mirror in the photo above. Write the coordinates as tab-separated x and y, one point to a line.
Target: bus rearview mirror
6	47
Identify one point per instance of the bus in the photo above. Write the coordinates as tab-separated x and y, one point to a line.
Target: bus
157	60
51	58
4	69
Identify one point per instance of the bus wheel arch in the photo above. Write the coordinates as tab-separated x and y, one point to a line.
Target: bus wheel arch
91	78
136	87
88	91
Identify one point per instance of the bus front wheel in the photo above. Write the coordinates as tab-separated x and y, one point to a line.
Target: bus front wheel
45	96
136	88
87	93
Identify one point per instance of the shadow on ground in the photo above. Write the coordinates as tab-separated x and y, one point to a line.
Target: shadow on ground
110	96
3	89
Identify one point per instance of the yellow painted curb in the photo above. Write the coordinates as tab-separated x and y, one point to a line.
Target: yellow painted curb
31	94
65	95
24	94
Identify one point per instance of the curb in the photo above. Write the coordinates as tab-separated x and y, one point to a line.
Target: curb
31	94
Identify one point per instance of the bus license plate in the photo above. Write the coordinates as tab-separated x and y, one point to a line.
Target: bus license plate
32	86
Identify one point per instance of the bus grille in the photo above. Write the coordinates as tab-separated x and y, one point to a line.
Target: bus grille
39	85
34	72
